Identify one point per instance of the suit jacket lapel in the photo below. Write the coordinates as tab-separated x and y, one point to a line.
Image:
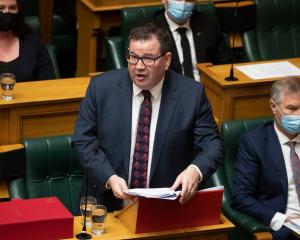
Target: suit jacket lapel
198	39
167	107
125	108
276	156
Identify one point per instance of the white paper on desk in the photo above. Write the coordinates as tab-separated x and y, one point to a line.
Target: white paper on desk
162	193
269	70
294	225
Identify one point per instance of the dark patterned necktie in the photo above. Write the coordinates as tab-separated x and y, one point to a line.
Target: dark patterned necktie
187	59
295	164
141	149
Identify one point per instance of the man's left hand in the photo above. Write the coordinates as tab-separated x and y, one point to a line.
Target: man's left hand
189	180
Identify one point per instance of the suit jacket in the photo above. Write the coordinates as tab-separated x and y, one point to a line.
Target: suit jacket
260	185
186	132
210	45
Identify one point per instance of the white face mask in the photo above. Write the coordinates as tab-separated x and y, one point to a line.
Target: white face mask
179	12
290	123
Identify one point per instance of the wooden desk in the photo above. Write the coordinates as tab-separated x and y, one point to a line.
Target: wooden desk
41	108
245	98
94	16
114	229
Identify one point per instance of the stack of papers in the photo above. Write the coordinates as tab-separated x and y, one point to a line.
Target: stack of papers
162	193
269	70
294	225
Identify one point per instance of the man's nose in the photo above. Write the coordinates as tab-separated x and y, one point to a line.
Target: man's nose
140	64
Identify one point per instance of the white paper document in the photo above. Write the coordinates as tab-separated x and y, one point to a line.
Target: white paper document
294	225
162	193
269	70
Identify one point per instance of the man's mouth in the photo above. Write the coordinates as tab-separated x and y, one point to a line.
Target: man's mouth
140	76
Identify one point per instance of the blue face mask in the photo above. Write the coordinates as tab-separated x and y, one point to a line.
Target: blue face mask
290	123
179	12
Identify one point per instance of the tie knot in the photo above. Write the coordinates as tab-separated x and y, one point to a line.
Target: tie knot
146	93
181	31
291	144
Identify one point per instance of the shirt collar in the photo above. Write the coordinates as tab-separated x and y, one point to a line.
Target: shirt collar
284	139
173	25
155	91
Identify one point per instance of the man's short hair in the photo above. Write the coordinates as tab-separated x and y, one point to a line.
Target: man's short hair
149	30
290	85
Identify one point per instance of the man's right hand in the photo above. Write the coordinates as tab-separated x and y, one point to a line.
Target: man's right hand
118	186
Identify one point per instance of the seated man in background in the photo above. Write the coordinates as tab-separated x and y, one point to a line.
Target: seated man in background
267	171
155	127
195	37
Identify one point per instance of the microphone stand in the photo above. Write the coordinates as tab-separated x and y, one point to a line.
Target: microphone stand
84	234
231	76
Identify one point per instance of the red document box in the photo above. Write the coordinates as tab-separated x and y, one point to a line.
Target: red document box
151	215
40	218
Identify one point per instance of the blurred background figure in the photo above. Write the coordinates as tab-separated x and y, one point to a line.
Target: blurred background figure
21	53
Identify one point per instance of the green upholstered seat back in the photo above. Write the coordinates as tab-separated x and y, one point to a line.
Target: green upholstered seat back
53	170
277	32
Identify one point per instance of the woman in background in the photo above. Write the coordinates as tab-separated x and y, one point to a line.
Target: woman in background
21	53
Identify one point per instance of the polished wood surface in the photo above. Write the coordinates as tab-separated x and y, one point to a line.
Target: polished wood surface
114	229
95	16
245	98
45	16
41	108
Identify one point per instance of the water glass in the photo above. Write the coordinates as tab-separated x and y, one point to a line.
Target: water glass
7	81
90	203
98	218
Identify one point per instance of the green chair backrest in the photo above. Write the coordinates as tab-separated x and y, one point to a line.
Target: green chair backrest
276	35
52	169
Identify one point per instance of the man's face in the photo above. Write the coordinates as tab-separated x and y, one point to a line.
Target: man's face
289	105
147	76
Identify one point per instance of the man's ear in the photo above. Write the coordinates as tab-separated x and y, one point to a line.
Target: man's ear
273	106
168	58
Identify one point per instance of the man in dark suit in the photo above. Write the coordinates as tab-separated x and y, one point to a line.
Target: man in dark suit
202	30
267	171
155	127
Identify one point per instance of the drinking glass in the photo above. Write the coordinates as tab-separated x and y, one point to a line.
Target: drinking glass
98	218
90	203
8	82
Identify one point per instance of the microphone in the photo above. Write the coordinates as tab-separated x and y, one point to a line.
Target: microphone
84	234
231	76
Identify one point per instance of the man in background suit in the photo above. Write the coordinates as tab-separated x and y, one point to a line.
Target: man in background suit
203	32
267	171
180	148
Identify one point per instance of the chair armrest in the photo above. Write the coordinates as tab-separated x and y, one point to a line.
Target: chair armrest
115	54
17	188
242	220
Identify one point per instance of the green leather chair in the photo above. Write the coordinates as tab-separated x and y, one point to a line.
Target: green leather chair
246	226
116	46
51	170
276	35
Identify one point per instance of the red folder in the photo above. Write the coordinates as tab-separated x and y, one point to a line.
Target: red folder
40	218
151	215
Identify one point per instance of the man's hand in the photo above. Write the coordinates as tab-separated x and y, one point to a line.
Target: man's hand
188	179
118	186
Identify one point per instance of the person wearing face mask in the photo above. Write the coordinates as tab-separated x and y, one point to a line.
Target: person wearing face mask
21	53
195	37
267	168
